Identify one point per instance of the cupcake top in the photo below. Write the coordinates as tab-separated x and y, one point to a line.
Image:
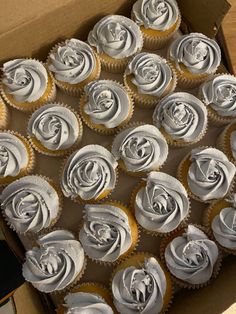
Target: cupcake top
13	155
25	79
54	126
30	204
210	174
141	148
220	94
162	204
140	290
224	225
106	233
191	257
160	15
117	36
233	143
84	303
55	263
182	116
198	53
72	61
89	172
108	103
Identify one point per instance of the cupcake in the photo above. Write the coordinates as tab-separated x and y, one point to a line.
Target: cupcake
191	257
161	203
158	21
182	119
141	285
149	77
16	157
26	84
87	298
55	129
227	141
56	264
31	204
207	174
89	174
73	64
219	95
4	115
115	38
220	218
140	149
195	58
109	232
105	106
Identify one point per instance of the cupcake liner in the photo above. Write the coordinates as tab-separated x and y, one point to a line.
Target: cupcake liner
57	153
182	224
179	282
74	89
149	101
31	162
28	107
99	127
131	251
4	115
223	141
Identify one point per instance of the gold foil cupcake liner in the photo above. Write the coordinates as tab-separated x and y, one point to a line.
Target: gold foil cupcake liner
74	89
4	115
223	141
99	127
57	153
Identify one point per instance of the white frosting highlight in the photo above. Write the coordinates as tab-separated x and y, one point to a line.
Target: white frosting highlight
108	103
72	62
25	79
233	143
106	233
55	263
160	15
89	172
162	204
54	126
199	54
13	155
117	36
30	204
152	74
140	290
220	94
182	115
191	257
210	174
141	148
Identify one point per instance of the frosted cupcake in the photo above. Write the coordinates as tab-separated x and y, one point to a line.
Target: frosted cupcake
4	115
56	264
31	204
73	64
140	149
227	141
191	257
105	106
207	174
149	77
158	21
109	232
195	58
161	203
182	119
26	84
115	38
220	218
89	174
55	129
141	285
87	298
219	95
16	157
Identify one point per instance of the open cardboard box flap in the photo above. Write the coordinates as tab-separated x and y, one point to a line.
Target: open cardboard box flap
31	28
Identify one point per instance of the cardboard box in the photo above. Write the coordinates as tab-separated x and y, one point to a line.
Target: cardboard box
30	29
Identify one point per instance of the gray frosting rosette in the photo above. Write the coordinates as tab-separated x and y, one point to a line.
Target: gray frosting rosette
233	143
